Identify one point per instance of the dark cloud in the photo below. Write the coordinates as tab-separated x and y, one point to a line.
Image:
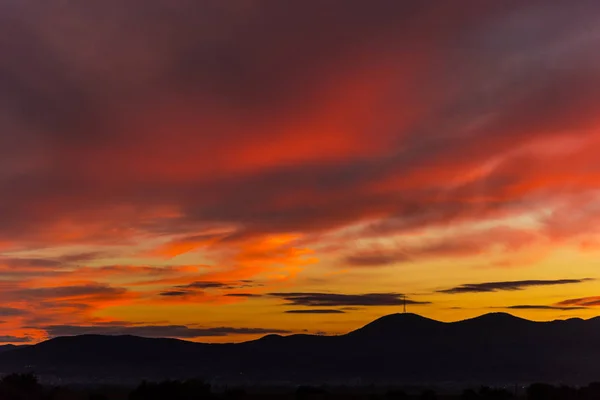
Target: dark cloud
65	305
175	293
49	304
81	257
487	287
375	259
582	302
48	263
14	267
449	248
134	269
198	286
190	50
339	300
75	291
192	54
173	331
11	312
318	311
30	262
15	339
206	285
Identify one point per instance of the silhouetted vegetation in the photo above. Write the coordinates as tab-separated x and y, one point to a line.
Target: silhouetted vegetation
310	392
396	395
174	390
20	387
27	387
428	395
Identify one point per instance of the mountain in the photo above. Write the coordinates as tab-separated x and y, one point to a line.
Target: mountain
391	326
9	347
400	348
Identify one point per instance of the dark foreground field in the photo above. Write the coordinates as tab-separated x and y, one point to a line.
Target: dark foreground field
27	387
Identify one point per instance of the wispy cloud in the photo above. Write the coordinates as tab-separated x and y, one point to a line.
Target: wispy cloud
171	331
372	259
316	311
174	293
487	287
197	288
11	312
582	301
206	285
339	300
15	339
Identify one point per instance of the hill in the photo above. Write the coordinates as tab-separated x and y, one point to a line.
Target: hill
9	347
494	348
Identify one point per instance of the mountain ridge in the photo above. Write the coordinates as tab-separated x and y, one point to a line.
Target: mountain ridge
396	347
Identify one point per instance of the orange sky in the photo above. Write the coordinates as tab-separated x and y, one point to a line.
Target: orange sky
217	171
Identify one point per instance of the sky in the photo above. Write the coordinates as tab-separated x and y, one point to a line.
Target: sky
221	170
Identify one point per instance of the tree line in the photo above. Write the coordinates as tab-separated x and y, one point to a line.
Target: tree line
27	387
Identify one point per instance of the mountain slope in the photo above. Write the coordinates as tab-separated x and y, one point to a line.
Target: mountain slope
8	347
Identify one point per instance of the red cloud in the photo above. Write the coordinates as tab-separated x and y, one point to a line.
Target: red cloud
285	125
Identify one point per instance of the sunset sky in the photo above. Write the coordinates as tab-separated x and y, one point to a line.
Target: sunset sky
220	170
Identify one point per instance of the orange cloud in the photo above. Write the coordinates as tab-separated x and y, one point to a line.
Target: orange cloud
249	147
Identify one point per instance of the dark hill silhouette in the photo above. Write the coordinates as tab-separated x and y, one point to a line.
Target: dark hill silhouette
496	319
395	325
494	348
9	347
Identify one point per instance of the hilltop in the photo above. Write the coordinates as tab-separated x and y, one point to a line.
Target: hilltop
494	347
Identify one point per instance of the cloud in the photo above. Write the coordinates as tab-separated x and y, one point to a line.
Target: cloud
30	262
206	285
188	62
11	312
197	288
318	311
194	288
135	275
52	304
541	307
171	331
582	302
488	287
185	66
15	339
259	129
90	291
27	264
340	300
174	293
463	243
375	259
